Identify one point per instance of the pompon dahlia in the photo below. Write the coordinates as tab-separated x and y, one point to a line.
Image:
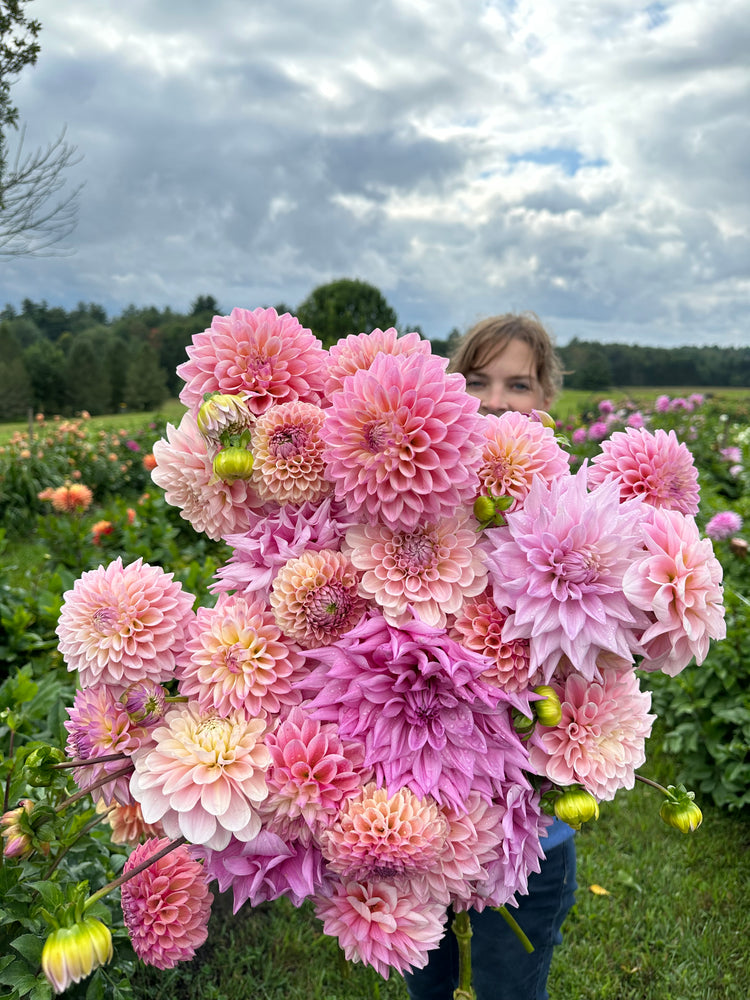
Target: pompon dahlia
479	626
166	906
382	836
382	925
315	598
273	540
99	726
677	581
205	776
312	773
288	453
236	659
258	355
184	470
267	868
600	739
517	451
121	624
426	571
402	440
357	352
723	525
653	465
559	564
416	700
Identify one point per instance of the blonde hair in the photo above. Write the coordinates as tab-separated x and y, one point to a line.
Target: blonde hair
491	336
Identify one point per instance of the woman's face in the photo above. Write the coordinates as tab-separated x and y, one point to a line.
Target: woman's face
508	381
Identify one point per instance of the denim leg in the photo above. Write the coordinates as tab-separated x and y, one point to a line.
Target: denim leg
501	968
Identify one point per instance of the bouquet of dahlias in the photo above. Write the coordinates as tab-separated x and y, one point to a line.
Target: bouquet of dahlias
426	637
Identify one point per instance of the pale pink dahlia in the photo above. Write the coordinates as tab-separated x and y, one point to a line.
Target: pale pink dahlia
428	570
677	581
184	470
652	465
273	540
517	451
382	836
479	626
559	564
267	868
258	355
402	440
312	773
381	925
166	906
122	624
315	598
205	777
288	453
600	739
357	352
235	659
723	525
99	726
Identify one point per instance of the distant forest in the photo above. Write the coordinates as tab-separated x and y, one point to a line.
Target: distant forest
63	362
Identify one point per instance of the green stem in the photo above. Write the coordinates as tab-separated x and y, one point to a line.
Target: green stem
88	761
104	780
514	926
653	784
462	930
81	833
126	876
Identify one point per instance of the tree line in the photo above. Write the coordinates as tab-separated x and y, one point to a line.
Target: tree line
62	361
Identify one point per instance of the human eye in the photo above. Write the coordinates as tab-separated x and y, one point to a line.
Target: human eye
476	382
520	385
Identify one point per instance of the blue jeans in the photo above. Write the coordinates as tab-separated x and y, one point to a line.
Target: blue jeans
501	968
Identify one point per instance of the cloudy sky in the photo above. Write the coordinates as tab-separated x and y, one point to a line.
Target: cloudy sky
586	159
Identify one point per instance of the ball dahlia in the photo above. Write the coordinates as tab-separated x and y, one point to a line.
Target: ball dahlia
517	451
121	624
479	626
402	440
288	454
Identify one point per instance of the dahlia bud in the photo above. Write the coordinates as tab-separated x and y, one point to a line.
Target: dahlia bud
576	806
144	702
17	841
222	414
542	417
72	953
548	709
233	463
489	510
680	811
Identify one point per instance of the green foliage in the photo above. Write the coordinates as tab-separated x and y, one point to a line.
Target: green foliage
345	307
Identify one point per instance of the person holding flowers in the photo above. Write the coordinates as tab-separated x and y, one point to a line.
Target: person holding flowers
510	365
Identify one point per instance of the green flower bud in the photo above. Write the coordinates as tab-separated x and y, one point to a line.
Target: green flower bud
222	414
548	709
484	509
576	806
680	811
233	463
544	418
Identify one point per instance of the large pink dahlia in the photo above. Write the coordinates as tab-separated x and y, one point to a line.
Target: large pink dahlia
315	598
428	570
377	835
479	626
402	440
273	540
166	906
184	470
235	659
677	581
559	564
653	465
288	453
381	925
600	739
517	451
258	355
122	624
357	352
205	777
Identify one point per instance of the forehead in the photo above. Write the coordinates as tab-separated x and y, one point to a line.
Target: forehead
515	358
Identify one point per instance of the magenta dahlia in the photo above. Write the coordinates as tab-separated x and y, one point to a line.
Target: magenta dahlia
517	451
236	659
121	624
600	739
653	465
184	470
427	571
166	906
357	352
258	355
382	925
402	440
288	454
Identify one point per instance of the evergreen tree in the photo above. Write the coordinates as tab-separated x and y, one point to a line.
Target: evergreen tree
43	363
86	378
145	380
